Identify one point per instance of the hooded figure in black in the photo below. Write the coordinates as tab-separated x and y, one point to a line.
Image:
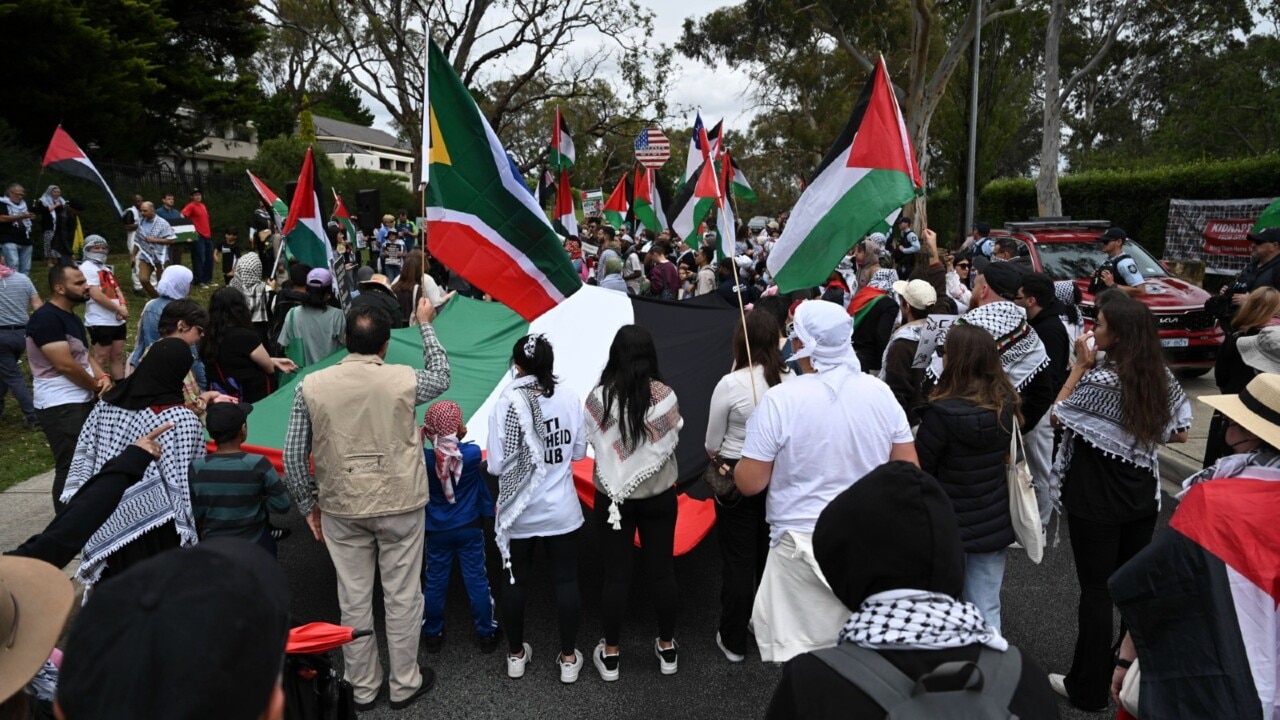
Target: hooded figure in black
894	530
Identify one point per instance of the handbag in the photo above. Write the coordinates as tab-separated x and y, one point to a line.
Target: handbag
1129	690
1024	512
719	477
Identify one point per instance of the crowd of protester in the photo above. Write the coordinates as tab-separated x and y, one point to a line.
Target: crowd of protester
861	495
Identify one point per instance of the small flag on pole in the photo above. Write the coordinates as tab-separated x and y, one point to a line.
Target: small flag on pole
562	151
65	155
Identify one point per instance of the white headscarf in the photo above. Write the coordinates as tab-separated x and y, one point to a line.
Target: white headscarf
175	283
826	331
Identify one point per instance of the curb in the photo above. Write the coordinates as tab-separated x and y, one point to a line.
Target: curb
1174	468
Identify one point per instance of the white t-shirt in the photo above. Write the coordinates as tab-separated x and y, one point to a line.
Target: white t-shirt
732	403
94	314
555	509
819	446
632	264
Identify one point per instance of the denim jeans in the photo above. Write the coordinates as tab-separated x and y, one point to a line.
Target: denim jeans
467	545
202	260
12	345
17	257
61	425
983	576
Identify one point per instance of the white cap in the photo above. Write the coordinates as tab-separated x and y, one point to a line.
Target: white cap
919	294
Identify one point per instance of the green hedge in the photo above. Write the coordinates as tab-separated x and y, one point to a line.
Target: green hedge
1137	200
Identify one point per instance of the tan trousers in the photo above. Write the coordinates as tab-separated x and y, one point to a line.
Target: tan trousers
393	545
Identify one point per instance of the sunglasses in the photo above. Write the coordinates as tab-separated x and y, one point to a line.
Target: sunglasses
964	265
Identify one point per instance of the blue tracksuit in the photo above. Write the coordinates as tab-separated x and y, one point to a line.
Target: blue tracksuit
454	531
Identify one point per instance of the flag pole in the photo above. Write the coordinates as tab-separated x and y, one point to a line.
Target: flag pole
426	128
746	341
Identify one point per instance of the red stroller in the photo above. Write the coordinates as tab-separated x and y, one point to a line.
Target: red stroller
313	688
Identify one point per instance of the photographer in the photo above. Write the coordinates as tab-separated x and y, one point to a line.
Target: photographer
1263	270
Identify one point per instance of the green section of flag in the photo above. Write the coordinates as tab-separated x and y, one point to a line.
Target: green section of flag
1269	217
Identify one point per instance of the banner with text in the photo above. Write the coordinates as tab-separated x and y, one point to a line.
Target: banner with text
1212	231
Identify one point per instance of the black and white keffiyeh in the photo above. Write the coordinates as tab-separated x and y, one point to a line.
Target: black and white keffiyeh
1260	464
883	279
1021	353
163	493
918	620
909	332
522	451
1095	411
16	208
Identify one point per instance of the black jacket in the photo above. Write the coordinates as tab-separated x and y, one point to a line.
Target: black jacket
1057	343
67	533
964	447
376	296
872	334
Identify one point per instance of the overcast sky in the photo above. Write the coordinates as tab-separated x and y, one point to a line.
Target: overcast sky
721	93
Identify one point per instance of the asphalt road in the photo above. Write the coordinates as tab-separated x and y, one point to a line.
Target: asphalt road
1038	611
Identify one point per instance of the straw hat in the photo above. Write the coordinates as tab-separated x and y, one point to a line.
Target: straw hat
35	598
1256	408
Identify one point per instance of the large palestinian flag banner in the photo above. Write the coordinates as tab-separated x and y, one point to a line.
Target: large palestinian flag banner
1201	603
482	221
694	340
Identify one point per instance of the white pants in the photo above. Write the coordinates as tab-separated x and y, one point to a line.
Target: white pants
1039	444
795	610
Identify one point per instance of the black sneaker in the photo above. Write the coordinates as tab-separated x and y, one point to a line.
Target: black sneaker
279	533
31	425
489	643
432	643
428	681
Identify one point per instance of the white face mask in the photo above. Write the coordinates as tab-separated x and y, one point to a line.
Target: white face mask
98	257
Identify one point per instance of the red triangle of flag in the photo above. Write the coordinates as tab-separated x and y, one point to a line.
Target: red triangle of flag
62	147
304	196
707	186
881	142
1234	519
618	198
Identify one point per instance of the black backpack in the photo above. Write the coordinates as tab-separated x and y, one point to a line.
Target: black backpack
959	690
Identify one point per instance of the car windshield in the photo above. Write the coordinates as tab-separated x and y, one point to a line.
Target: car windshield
1071	260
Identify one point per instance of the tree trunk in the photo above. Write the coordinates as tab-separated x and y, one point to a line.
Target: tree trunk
1048	199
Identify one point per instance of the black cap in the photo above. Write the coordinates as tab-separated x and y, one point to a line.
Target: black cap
1003	279
1112	233
1265	235
902	219
225	419
205	626
196	190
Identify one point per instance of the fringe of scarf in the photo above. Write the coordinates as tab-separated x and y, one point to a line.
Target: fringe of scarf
621	469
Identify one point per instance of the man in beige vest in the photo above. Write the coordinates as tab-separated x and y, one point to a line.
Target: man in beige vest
356	420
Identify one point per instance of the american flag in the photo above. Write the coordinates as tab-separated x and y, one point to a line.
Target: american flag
652	147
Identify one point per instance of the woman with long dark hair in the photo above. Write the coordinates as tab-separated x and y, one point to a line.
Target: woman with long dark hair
535	434
740	521
410	277
321	327
235	360
633	423
962	441
1114	416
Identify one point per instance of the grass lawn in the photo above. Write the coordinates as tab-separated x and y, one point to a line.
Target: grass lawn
24	454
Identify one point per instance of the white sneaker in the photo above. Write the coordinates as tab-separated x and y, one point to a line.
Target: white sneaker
1058	682
730	655
668	658
569	670
515	665
606	665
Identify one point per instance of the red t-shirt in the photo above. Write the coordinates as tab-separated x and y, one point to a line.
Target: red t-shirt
198	214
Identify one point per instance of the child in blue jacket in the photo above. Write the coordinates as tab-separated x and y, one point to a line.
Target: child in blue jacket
459	499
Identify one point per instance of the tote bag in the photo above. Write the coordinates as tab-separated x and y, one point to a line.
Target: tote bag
1023	509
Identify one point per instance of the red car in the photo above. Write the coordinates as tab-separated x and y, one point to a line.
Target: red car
1067	250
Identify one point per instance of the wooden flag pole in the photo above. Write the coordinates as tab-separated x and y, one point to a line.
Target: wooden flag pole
746	341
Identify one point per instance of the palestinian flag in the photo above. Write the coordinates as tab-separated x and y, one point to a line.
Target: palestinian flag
869	171
693	337
566	222
695	200
1201	602
343	217
703	144
278	208
481	219
861	303
303	230
741	186
65	155
617	207
648	208
562	152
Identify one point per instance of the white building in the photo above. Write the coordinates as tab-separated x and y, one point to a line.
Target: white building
221	145
356	146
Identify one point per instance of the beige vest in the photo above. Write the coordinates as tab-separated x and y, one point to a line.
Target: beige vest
364	438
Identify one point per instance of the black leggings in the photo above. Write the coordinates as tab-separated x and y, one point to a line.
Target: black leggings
655	518
562	551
